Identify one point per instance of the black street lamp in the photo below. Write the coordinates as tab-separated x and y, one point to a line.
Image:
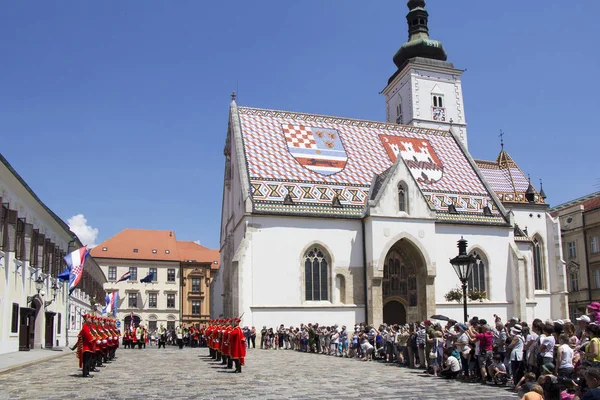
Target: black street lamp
39	285
54	290
463	266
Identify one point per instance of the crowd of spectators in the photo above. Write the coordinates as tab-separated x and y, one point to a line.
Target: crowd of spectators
539	360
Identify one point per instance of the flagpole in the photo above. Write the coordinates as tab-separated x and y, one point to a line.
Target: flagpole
68	314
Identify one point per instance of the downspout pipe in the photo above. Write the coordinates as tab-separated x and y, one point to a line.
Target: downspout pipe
587	259
364	251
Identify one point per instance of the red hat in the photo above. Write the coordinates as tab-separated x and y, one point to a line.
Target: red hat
86	315
236	320
228	319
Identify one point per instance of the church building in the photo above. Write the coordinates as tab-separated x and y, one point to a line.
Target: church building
339	221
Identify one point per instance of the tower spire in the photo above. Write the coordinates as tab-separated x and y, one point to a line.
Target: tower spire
419	44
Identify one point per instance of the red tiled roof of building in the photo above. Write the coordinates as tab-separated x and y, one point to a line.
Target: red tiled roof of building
143	244
193	252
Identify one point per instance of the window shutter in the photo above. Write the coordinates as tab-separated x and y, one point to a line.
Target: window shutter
40	250
27	243
20	240
11	233
3	219
33	254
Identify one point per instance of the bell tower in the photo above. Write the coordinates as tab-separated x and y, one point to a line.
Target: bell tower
426	89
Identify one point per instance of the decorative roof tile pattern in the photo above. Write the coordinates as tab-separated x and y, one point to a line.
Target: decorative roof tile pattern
506	179
316	158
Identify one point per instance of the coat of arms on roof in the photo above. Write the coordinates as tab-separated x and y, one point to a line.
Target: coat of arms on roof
318	149
418	154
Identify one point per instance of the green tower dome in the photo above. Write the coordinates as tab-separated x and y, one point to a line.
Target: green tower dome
419	44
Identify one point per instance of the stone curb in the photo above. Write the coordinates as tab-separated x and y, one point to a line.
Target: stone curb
32	362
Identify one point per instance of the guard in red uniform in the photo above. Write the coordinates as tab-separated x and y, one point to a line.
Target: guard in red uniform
237	345
207	334
225	344
85	346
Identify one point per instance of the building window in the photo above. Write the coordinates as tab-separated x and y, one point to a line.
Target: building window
595	244
477	280
195	308
402	198
195	285
170	300
596	278
133	273
135	250
112	273
104	249
572	250
316	275
171	275
438	100
574	280
153	251
399	116
58	324
154	273
538	265
151	326
14	322
167	251
132	300
170	325
152	299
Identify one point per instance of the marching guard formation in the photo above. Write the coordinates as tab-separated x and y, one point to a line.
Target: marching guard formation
97	343
226	342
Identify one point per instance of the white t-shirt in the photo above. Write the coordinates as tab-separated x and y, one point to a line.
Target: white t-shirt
548	342
567	356
462	346
453	364
499	366
366	345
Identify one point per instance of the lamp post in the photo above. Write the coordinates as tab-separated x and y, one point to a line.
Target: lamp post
54	290
463	266
39	285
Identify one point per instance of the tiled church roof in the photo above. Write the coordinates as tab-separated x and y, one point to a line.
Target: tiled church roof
506	179
315	159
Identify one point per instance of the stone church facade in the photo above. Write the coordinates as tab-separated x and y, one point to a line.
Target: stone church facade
337	220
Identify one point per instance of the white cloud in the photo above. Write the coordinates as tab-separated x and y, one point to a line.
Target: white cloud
87	234
197	242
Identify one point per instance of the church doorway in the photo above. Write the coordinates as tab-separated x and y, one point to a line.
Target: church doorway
403	285
394	313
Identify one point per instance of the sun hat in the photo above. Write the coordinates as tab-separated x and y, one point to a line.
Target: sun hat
594	306
584	318
516	329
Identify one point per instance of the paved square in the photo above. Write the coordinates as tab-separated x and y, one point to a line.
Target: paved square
269	374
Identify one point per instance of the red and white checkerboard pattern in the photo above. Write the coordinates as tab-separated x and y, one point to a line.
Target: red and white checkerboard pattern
268	155
299	136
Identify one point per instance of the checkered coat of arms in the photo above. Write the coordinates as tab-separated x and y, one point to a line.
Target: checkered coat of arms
318	149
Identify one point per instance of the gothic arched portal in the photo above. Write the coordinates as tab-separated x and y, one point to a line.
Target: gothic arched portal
403	285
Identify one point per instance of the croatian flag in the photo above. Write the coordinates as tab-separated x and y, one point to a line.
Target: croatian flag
75	262
125	277
112	301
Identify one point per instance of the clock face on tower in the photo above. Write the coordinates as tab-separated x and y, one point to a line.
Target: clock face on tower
439	114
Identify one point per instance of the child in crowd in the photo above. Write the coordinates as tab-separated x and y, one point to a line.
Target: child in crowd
497	370
452	365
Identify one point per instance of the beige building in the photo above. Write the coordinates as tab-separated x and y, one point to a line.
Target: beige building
580	227
197	268
141	253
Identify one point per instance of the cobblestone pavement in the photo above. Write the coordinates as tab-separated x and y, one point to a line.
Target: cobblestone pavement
269	374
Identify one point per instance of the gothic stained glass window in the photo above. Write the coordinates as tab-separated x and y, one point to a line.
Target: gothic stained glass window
316	275
538	265
477	280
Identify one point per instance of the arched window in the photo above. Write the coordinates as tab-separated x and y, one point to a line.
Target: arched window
538	264
477	280
402	197
316	275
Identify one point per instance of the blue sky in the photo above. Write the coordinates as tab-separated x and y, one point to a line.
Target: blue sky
118	110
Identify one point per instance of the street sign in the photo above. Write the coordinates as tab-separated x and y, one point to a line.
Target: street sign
118	324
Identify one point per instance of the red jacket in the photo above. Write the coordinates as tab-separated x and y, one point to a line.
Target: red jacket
237	344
